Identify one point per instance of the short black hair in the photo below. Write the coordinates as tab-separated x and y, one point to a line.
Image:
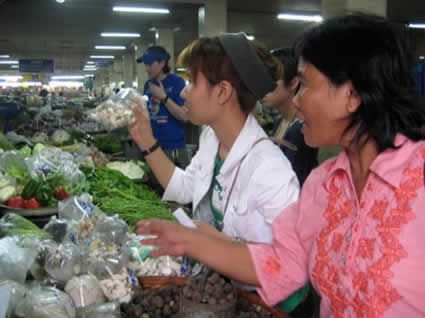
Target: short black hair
287	57
159	49
371	53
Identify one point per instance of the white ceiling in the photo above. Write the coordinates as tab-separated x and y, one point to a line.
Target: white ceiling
68	32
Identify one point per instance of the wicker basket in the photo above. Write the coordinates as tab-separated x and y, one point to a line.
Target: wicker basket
157	282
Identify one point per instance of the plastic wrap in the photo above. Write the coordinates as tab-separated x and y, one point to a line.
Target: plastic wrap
76	209
13	224
108	310
104	260
52	160
11	159
118	287
85	290
16	293
15	261
57	229
111	229
63	262
46	302
117	111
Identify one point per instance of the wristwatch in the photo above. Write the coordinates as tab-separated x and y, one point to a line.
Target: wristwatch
164	100
151	149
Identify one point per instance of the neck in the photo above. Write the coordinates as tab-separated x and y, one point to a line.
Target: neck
287	109
161	76
361	157
228	128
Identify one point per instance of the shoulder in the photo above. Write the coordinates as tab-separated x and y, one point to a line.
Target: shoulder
175	78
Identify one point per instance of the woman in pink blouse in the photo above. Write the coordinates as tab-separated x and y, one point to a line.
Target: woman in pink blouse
358	230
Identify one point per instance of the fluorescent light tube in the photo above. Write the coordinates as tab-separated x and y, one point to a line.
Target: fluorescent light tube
110	47
140	10
66	77
417	25
120	35
9	62
90	62
4	56
101	56
421	57
181	69
250	37
14	66
11	77
300	17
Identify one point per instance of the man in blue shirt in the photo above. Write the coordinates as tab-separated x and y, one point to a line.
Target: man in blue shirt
165	104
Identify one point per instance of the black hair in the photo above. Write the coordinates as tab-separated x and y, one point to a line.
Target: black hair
372	53
159	49
287	57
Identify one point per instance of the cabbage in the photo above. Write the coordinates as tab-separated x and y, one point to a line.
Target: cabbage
37	148
25	151
129	169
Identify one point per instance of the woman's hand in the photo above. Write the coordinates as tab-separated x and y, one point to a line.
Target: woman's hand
158	91
172	238
141	130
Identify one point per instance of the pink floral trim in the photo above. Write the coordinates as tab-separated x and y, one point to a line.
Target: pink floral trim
374	293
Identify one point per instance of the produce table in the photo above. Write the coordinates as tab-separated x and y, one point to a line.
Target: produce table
40	216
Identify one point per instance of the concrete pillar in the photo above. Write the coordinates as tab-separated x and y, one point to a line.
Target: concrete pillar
212	18
117	74
141	75
128	69
165	38
333	8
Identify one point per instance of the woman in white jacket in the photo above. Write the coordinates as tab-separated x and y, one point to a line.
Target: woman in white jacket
238	181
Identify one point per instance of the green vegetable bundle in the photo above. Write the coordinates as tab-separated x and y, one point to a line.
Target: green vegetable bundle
115	193
13	224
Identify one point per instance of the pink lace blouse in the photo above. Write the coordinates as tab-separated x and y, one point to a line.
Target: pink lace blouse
365	256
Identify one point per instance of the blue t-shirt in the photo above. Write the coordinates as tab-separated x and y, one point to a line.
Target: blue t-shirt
168	130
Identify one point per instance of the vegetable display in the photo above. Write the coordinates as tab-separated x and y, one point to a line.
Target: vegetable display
115	193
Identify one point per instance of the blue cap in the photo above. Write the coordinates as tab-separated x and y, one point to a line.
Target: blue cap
151	56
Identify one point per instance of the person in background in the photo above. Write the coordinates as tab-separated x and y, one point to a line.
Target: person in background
287	128
238	181
357	230
165	104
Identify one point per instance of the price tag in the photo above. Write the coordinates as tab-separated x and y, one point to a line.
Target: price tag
183	219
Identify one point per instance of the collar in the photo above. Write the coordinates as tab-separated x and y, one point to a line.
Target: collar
388	165
249	134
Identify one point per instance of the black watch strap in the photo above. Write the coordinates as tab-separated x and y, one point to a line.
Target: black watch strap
151	149
165	100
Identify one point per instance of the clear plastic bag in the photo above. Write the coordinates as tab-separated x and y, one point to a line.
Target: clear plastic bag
108	310
46	302
16	293
52	160
12	159
117	111
15	261
13	224
118	287
57	229
111	230
85	290
104	260
63	262
76	209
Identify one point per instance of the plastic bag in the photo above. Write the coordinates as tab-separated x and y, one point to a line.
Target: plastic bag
12	159
117	111
85	290
46	302
63	262
108	310
13	224
52	160
16	293
104	260
111	229
14	260
57	229
118	287
76	209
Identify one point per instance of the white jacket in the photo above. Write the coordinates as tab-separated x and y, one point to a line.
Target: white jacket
266	183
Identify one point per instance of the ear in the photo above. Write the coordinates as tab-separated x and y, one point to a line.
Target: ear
224	91
354	99
294	84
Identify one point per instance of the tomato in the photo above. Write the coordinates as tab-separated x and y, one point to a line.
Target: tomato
61	193
32	204
16	202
